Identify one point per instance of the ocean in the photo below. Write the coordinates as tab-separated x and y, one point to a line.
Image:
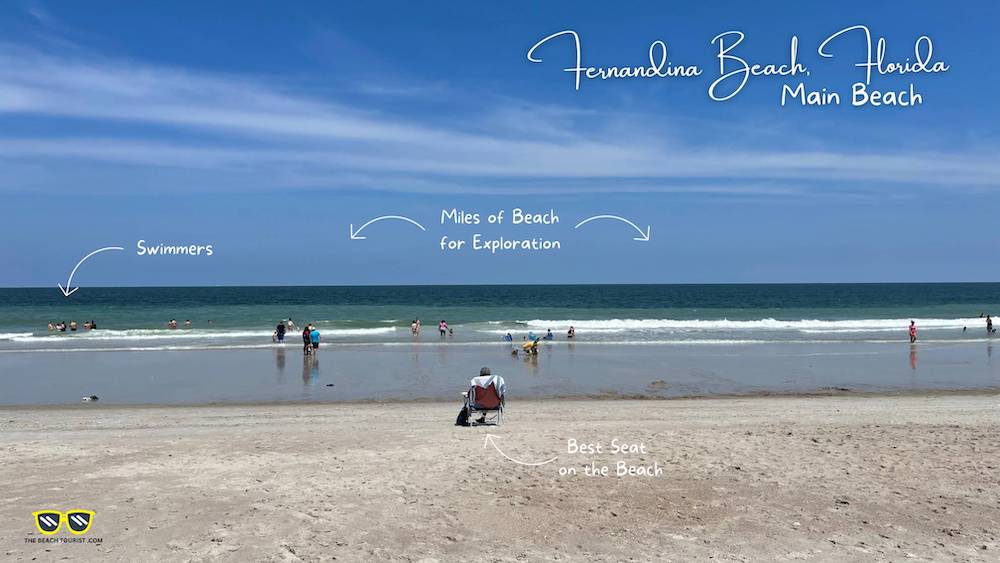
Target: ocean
136	319
652	341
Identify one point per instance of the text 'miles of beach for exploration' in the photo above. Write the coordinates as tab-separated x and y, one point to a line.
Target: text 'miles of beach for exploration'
517	217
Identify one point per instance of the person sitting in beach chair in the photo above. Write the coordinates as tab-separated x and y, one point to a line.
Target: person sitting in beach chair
484	398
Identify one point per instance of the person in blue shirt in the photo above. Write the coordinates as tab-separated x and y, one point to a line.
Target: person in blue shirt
314	338
508	338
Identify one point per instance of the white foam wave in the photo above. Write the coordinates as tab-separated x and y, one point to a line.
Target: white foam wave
14	335
803	325
179	334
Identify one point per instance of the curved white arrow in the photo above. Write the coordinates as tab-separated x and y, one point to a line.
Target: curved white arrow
490	439
66	291
354	234
643	236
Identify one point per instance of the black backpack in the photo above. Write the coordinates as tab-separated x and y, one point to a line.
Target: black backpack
463	417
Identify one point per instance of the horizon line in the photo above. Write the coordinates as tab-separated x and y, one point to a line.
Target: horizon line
390	285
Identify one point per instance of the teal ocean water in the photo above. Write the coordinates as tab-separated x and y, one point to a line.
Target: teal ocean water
244	317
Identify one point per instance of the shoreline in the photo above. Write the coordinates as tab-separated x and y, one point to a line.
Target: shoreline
429	373
924	343
605	398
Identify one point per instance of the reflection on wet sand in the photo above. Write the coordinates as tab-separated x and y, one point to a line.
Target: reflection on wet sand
279	360
310	369
390	372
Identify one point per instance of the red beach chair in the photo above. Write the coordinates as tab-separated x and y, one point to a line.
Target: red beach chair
484	401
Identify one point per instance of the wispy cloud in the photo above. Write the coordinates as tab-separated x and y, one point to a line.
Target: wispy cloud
117	112
38	12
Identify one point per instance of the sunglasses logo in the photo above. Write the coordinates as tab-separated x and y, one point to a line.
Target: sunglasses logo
77	521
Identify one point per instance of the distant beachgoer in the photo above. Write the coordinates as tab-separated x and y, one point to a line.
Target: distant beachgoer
965	328
913	332
418	325
508	338
306	340
93	324
443	327
571	332
314	339
451	331
532	335
187	323
51	327
172	323
86	325
61	326
413	326
280	332
549	335
72	326
291	326
989	325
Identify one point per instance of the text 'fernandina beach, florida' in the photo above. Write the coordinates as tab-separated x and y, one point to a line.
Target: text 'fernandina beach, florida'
735	70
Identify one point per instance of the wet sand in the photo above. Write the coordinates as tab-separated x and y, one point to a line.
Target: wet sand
432	371
770	479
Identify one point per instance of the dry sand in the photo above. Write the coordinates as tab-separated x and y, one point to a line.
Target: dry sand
759	479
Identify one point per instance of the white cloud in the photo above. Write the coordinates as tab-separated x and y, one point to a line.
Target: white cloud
218	124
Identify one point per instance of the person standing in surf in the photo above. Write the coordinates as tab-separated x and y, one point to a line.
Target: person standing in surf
307	340
989	325
913	332
314	340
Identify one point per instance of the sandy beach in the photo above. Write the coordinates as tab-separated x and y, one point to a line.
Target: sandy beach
748	479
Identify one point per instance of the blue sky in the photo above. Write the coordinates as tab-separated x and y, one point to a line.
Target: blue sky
266	130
